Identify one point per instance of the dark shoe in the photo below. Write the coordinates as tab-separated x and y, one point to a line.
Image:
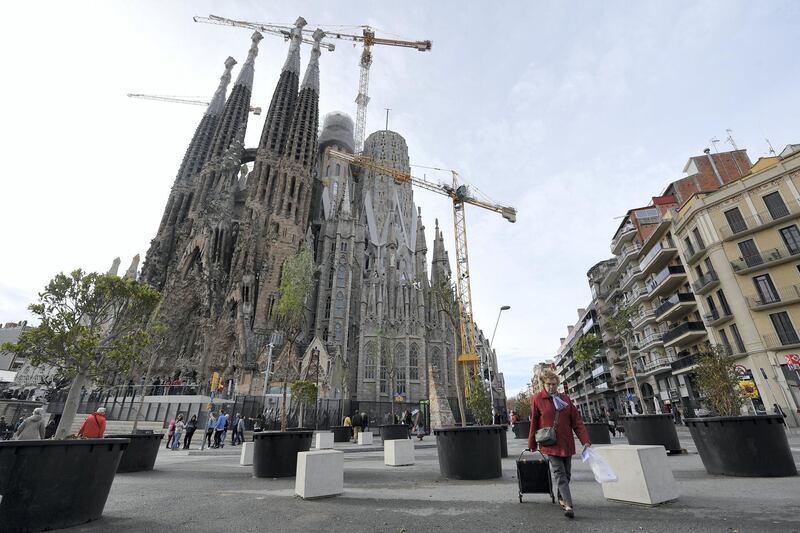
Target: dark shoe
569	513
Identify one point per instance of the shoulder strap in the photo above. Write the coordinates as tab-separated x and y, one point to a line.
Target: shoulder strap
558	413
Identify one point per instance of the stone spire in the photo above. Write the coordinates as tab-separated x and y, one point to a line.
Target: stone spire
134	268
237	108
218	101
344	206
114	267
421	245
301	142
284	99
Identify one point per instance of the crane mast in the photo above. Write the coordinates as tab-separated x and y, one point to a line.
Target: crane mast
459	194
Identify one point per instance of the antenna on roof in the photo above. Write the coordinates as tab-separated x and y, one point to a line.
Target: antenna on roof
730	139
771	149
714	142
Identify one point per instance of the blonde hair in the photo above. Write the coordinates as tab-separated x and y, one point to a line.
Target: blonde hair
548	374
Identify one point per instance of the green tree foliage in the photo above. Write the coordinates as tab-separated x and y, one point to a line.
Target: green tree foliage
297	281
586	348
444	299
90	325
717	380
479	402
620	326
523	407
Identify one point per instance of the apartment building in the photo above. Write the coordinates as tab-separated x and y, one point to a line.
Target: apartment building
741	245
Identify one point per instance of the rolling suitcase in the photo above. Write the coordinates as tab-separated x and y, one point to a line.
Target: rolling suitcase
533	476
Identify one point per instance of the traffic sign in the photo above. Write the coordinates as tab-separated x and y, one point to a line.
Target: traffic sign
792	361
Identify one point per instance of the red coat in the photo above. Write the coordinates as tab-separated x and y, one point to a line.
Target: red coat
94	427
543	413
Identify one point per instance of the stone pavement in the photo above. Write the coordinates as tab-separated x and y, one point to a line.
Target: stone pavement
211	492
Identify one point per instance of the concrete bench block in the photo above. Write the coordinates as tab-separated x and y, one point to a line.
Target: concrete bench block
398	452
323	441
643	473
365	438
246	458
319	474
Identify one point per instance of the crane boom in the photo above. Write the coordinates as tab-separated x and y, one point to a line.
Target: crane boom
178	100
274	29
459	194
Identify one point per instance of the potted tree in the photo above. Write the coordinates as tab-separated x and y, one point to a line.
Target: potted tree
480	405
466	452
89	325
584	351
730	444
647	428
523	409
389	370
275	452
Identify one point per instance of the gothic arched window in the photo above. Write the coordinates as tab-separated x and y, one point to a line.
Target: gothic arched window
338	169
337	332
400	364
413	362
335	188
341	277
436	357
338	310
369	361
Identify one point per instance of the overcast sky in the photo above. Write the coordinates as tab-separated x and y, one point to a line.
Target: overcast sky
573	112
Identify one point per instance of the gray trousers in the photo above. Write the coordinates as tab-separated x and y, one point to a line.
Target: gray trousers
562	472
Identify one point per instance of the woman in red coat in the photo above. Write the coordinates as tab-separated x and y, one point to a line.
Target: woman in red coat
544	405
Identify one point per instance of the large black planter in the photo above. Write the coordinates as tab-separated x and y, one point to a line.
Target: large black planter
652	430
275	452
141	453
746	446
521	429
469	452
342	433
598	433
52	484
503	441
394	432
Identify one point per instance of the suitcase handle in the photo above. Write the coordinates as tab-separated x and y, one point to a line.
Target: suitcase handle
532	452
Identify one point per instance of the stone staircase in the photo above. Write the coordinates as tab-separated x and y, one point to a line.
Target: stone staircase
114	427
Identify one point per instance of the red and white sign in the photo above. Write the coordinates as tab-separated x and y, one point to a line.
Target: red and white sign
792	361
740	369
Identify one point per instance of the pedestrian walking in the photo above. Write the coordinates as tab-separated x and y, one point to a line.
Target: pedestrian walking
179	426
191	427
219	429
211	423
364	421
235	430
549	409
358	426
240	430
94	427
33	427
170	433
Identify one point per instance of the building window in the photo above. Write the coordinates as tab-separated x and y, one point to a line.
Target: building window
337	332
328	307
712	307
735	220
436	356
791	236
784	328
335	188
738	338
413	363
342	246
328	170
687	244
369	361
338	169
384	374
723	302
338	310
400	368
723	337
775	205
341	277
765	289
698	239
750	253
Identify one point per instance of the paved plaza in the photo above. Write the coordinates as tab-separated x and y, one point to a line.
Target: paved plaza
210	491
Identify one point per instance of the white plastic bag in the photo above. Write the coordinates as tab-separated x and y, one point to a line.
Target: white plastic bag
600	468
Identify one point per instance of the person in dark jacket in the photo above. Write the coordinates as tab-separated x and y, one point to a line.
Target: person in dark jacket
544	406
191	427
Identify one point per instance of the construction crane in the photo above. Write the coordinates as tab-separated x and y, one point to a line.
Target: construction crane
181	100
460	195
367	38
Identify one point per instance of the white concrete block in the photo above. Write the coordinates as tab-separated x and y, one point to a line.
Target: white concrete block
643	473
323	441
246	458
398	452
319	474
365	437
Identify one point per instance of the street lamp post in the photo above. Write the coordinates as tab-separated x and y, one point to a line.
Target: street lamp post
315	352
491	345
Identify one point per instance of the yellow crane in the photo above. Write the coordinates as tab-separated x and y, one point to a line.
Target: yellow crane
367	38
460	195
181	100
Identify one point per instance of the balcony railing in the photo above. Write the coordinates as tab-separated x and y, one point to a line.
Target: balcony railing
625	232
782	295
774	341
716	317
672	301
682	329
664	274
694	251
653	338
684	362
762	259
652	254
761	219
640	318
659	362
705	281
600	370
